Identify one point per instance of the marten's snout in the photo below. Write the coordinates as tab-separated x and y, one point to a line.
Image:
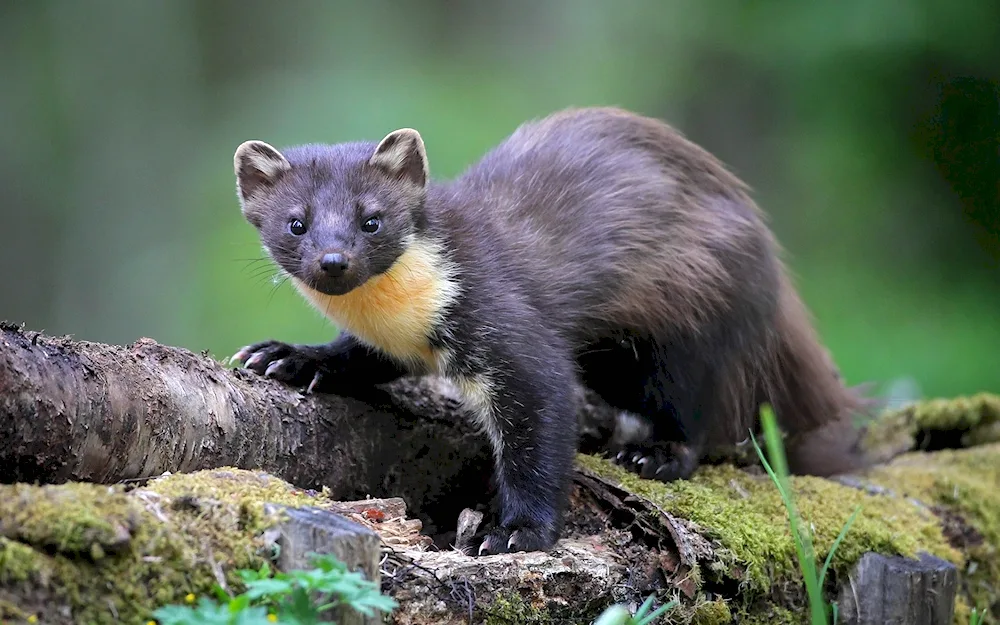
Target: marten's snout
334	264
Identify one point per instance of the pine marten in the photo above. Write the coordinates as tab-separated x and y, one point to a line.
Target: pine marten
594	245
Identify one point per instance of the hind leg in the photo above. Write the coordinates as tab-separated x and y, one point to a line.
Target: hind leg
679	406
660	460
671	387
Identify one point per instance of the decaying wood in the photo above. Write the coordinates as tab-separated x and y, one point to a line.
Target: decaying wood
91	412
389	516
679	544
466	528
305	531
890	589
447	587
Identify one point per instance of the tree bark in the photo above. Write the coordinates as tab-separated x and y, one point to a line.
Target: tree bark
85	411
88	412
82	411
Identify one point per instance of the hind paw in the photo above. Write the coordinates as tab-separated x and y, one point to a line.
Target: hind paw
665	462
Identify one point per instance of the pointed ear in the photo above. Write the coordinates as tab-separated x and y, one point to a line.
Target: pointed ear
258	166
401	155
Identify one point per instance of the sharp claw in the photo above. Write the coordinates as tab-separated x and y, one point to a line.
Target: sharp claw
620	456
636	456
253	360
238	356
312	385
482	546
643	460
510	541
271	368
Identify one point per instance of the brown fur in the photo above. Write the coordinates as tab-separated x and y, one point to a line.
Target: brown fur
818	411
595	245
703	258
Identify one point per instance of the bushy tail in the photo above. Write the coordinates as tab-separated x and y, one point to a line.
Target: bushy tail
824	420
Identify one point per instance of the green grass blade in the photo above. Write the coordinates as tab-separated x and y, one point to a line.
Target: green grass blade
803	543
646	605
836	544
614	615
657	613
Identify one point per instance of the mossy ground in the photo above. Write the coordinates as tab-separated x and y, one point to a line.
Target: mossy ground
973	420
946	503
512	609
97	554
963	486
744	514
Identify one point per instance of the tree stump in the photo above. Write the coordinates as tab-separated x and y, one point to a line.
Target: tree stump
891	590
310	531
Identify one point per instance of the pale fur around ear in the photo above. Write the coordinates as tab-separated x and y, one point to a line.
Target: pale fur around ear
257	165
401	155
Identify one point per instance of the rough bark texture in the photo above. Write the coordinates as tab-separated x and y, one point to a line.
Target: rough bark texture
309	530
101	413
84	412
885	589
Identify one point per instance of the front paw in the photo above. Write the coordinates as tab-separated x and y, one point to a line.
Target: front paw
525	537
295	365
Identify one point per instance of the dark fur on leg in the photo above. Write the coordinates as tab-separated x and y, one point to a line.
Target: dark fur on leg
672	385
341	364
535	421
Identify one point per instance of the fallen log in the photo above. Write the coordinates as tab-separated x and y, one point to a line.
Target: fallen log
81	411
104	413
77	414
718	543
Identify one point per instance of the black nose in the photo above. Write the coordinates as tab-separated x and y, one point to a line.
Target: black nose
333	265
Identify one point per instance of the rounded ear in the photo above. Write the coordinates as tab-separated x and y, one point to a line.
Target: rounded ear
257	166
401	155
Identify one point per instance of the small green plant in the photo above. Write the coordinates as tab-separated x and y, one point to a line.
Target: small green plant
977	617
295	597
619	615
803	540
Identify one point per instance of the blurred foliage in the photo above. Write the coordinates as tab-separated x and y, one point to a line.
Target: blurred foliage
869	129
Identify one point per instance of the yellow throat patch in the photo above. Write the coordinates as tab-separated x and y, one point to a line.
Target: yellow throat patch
396	311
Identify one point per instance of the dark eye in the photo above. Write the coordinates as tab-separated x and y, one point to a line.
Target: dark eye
296	227
372	225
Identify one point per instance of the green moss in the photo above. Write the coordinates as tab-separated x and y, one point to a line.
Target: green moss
114	556
946	503
771	615
976	416
18	562
966	484
511	609
712	613
69	518
962	612
235	486
745	516
243	491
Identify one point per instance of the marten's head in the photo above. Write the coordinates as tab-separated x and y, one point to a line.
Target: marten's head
334	216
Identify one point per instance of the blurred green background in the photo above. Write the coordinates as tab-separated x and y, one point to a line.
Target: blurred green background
869	129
